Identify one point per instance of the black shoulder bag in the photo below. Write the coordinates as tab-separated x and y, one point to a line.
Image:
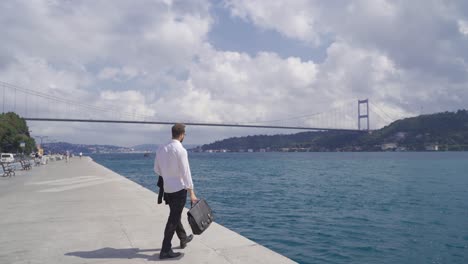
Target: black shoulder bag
200	217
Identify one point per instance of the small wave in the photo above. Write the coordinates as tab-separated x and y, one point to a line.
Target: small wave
456	246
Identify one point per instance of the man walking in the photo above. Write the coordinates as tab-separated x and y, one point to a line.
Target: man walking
172	165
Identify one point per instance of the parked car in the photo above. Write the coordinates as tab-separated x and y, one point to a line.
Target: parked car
7	157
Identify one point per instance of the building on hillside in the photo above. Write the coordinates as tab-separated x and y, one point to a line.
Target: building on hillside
432	147
389	146
400	136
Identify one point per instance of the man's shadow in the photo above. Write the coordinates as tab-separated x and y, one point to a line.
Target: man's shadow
122	253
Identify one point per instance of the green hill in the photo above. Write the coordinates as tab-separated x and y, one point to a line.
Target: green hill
447	131
13	131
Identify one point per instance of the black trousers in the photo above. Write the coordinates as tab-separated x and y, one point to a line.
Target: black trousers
176	203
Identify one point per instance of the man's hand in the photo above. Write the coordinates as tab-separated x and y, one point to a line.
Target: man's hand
193	197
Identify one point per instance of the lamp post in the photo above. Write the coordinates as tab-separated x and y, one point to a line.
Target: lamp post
40	145
41	138
22	146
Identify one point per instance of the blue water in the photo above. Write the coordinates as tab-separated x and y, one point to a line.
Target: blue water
333	207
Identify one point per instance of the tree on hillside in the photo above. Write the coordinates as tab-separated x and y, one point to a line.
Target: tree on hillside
13	131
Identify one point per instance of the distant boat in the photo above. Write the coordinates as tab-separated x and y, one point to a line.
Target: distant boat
147	154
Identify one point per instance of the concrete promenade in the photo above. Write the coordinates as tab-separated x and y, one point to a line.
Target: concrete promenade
82	212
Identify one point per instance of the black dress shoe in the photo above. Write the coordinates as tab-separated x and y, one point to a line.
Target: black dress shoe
169	254
183	243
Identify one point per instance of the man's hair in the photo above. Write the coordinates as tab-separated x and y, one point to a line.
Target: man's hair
177	130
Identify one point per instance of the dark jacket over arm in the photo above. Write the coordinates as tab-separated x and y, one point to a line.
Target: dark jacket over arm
161	189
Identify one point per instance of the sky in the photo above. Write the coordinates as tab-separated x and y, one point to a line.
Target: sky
303	62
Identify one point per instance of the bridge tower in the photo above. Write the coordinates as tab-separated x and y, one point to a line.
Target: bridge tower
364	115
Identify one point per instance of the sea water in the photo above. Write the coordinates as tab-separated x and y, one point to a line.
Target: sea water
332	207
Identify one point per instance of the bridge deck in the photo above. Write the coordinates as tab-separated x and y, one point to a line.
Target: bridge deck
81	212
191	124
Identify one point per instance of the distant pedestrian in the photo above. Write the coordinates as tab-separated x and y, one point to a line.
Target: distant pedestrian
37	159
172	164
67	156
81	154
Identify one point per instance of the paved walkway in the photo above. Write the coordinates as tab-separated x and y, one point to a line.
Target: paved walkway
82	212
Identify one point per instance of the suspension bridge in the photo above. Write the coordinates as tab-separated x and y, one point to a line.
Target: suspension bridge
34	105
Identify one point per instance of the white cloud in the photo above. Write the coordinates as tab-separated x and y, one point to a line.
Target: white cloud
129	104
108	73
119	74
463	27
296	19
38	75
144	33
248	88
81	50
412	48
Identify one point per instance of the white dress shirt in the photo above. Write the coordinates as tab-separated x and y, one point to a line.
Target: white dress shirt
172	164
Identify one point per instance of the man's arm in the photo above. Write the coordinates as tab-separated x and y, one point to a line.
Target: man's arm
187	176
157	169
193	197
